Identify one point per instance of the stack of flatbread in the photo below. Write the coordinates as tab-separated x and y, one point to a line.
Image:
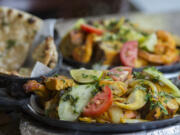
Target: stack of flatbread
17	33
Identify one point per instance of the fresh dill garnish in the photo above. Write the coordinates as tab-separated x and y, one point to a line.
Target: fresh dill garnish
126	31
84	75
140	87
10	43
71	99
165	101
94	92
4	23
147	97
108	78
94	77
56	75
112	24
153	105
155	79
88	86
109	37
165	94
63	80
162	108
138	75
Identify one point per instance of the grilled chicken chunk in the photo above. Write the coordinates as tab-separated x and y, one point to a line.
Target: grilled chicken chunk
58	83
36	87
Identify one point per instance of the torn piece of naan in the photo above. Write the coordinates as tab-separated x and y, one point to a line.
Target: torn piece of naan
46	53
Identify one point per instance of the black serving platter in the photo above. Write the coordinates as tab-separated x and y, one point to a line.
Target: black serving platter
26	106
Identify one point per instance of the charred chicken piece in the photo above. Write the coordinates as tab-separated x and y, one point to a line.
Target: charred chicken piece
83	53
58	83
36	87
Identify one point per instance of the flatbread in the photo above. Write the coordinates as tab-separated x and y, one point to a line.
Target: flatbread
46	53
17	32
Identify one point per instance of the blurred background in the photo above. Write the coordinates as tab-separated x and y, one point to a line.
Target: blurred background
81	8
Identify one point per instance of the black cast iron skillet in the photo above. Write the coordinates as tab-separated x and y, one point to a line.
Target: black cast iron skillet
31	107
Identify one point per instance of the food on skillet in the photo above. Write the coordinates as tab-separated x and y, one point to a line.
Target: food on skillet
118	42
108	96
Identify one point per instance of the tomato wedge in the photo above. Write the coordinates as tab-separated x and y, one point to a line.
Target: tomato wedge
99	104
91	29
128	53
121	73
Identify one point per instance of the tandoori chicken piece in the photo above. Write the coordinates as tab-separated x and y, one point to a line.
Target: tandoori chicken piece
36	87
58	83
83	53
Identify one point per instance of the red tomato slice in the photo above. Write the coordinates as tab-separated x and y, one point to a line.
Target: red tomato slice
91	29
121	73
99	104
128	53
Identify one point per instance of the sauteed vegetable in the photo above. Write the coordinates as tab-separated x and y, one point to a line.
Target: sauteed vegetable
108	96
118	42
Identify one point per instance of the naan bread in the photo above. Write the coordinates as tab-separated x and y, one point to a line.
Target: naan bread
46	53
6	72
17	32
